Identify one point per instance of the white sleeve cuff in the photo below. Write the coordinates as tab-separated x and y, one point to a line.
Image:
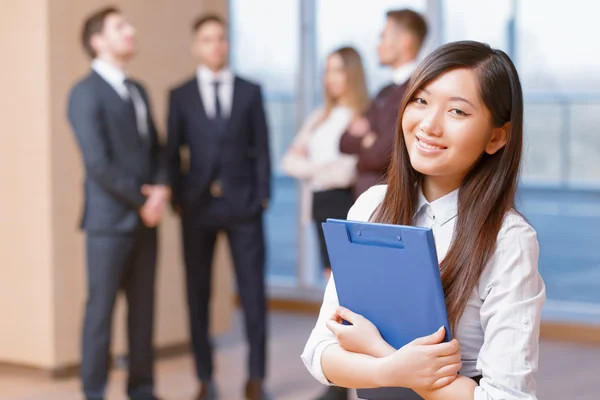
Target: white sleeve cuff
314	365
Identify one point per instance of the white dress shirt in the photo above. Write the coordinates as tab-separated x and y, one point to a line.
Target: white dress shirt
206	79
115	77
499	329
324	143
403	73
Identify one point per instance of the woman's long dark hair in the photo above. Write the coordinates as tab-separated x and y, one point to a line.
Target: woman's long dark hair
488	191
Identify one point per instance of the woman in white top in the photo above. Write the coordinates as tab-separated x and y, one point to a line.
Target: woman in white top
315	157
455	169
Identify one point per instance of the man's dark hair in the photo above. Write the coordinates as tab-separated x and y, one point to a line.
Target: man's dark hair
93	25
411	21
204	19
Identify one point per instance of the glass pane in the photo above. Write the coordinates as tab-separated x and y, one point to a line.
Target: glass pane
584	143
559	71
484	21
266	50
541	164
567	225
553	50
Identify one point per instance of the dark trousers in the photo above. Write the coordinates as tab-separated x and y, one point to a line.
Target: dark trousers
334	203
246	240
114	262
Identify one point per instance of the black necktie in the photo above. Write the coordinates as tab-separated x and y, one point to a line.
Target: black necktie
218	118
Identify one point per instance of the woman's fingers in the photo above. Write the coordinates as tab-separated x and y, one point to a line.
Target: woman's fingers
335	317
449	370
446	348
334	326
347	315
431	340
444	381
447	360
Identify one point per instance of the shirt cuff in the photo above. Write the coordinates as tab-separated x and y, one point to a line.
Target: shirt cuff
315	367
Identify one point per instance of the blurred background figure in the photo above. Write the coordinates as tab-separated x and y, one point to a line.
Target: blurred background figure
220	118
125	196
372	136
314	156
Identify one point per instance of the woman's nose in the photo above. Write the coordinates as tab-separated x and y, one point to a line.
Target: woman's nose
431	125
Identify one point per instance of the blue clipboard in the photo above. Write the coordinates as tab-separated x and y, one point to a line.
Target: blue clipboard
390	275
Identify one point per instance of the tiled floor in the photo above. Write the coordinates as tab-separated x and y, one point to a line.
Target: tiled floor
567	371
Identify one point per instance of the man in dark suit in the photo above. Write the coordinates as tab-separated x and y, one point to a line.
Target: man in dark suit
125	196
219	117
372	137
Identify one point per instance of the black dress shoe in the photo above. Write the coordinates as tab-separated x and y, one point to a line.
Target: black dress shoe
255	391
334	393
208	391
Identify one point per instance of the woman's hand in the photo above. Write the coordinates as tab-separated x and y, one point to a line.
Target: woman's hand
361	337
424	364
299	149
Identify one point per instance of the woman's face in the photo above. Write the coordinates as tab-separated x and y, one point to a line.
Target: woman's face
447	127
335	77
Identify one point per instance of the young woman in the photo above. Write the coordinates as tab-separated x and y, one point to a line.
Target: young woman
455	169
315	156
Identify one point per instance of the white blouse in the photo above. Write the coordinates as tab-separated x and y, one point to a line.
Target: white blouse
323	167
499	329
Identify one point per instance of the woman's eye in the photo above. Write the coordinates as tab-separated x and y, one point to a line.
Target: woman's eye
419	100
456	111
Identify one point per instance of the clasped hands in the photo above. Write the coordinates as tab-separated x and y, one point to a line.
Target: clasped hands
425	364
156	203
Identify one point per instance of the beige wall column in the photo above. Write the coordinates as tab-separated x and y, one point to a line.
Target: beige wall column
42	270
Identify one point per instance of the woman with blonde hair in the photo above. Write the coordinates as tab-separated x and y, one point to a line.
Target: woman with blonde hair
314	157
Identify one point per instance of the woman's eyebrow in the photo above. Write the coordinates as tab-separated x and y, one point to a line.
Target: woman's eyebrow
458	98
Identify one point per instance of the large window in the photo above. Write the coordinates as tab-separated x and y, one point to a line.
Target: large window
266	50
553	45
559	65
484	21
561	174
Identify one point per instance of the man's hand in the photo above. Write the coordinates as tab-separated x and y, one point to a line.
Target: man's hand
359	127
264	204
155	205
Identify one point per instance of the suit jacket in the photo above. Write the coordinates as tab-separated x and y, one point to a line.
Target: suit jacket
237	153
383	118
117	160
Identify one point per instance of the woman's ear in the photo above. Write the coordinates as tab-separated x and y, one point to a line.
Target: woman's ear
498	139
